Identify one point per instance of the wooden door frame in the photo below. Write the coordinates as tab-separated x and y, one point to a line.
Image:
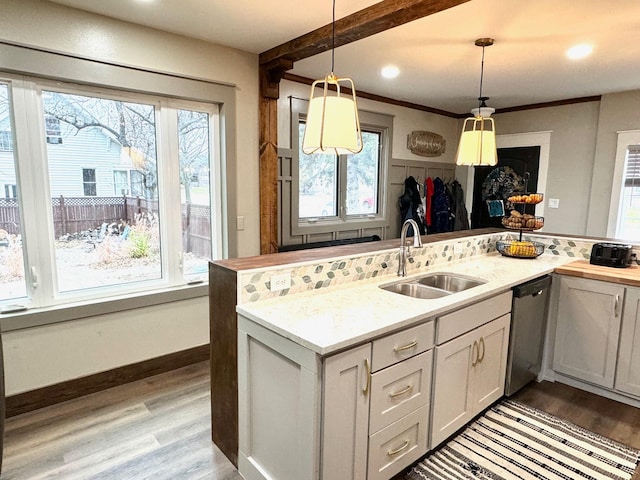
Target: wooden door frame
275	62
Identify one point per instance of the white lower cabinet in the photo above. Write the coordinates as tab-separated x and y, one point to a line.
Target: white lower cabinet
470	369
628	370
365	413
588	329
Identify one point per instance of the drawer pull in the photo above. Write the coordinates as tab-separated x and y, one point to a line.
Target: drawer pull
408	388
367	372
481	343
474	353
404	446
406	347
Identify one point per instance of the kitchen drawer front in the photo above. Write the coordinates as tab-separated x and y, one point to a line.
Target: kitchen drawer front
399	390
402	345
397	446
466	319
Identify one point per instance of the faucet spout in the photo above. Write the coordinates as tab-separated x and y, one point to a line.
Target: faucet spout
404	248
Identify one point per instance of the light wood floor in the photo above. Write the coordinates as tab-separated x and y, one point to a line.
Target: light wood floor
159	428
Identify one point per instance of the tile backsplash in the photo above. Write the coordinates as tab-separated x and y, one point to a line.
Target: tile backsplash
255	284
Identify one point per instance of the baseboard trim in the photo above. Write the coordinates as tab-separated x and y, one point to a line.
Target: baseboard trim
78	387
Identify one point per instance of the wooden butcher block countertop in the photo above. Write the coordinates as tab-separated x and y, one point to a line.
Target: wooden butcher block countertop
582	268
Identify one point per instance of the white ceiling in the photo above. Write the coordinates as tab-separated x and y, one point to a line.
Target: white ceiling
439	63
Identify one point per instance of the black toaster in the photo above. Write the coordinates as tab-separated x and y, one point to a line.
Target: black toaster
611	255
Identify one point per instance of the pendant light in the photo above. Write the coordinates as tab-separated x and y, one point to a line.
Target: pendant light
478	138
332	124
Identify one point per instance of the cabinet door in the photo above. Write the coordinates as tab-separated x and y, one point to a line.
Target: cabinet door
488	373
588	329
345	414
628	372
452	387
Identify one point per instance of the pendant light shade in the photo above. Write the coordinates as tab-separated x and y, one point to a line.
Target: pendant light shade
478	138
332	120
332	124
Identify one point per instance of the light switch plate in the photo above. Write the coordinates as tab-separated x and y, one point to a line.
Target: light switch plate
554	203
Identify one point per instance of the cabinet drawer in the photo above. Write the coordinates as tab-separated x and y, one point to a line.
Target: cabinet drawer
466	319
398	346
399	390
397	446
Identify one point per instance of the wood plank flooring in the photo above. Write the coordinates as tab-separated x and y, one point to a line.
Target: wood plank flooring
159	428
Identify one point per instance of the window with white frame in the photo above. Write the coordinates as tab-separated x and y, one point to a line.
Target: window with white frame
337	192
629	223
105	243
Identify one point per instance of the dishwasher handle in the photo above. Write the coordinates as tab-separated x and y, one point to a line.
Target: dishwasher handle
533	287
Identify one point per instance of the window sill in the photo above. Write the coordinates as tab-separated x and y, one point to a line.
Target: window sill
74	311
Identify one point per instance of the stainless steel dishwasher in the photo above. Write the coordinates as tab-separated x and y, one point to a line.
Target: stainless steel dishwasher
526	339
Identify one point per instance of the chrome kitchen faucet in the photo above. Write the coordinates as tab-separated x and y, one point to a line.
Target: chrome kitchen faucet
404	249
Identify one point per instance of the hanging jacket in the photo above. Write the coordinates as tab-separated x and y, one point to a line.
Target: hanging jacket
440	210
461	220
428	193
410	205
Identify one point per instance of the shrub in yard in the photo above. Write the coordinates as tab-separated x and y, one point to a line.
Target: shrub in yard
144	236
11	262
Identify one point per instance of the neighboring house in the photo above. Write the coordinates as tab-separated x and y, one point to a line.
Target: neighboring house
108	172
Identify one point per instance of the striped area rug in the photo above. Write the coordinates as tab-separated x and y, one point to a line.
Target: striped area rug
514	441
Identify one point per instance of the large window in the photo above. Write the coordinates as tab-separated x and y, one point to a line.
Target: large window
624	209
341	192
110	202
12	272
629	223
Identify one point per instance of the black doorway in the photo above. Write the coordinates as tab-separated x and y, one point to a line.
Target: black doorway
503	180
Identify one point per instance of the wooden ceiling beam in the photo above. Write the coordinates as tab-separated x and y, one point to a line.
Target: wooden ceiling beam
377	18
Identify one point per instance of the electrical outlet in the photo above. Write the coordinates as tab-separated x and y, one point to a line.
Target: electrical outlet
280	282
457	248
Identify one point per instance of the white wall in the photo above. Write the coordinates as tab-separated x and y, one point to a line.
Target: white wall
42	356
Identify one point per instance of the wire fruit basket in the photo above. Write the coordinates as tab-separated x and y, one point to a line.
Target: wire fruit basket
520	249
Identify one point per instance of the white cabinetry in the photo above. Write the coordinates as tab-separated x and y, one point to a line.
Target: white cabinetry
628	371
588	329
359	414
470	368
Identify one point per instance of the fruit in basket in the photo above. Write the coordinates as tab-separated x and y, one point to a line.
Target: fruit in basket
521	249
531	198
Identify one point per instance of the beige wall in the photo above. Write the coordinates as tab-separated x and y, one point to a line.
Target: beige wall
618	112
574	129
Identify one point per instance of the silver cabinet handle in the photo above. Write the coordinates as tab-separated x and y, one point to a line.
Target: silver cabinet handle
406	347
474	349
482	356
408	388
367	369
616	308
406	443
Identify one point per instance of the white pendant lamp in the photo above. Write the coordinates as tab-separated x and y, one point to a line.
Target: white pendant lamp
478	138
332	124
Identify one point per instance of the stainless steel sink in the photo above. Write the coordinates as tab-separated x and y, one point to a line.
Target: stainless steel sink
415	290
449	282
433	285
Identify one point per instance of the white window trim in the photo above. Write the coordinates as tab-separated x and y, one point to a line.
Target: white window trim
19	61
375	122
625	138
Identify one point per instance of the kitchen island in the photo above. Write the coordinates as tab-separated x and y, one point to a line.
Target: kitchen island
333	307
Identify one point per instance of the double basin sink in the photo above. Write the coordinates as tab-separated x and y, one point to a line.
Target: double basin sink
433	285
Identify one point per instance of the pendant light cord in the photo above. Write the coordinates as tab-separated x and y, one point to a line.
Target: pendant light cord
481	77
333	35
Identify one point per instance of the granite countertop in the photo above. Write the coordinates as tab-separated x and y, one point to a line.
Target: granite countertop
339	317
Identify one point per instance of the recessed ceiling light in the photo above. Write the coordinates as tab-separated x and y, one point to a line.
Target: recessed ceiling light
579	51
390	71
